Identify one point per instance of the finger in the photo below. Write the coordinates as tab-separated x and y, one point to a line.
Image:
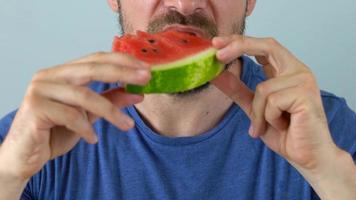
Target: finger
277	118
84	73
272	138
121	99
263	90
221	42
284	102
269	70
69	117
236	90
87	99
277	56
236	46
113	58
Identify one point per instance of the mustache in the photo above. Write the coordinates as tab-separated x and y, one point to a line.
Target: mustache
197	19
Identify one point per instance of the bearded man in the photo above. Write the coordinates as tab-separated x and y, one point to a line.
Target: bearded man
258	131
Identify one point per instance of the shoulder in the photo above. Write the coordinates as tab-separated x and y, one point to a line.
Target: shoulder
333	104
342	121
336	107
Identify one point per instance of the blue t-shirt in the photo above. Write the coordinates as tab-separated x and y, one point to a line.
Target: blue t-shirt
223	163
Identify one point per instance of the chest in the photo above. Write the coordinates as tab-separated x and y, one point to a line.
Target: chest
144	171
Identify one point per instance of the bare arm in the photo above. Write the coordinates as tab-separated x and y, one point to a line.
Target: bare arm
336	179
11	187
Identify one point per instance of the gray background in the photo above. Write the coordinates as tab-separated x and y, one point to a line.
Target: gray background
37	34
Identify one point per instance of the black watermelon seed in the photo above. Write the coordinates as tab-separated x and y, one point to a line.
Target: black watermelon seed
152	41
155	50
144	50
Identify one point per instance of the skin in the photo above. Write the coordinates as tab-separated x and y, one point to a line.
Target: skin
286	110
58	110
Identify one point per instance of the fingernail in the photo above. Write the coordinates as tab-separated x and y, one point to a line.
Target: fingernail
145	65
221	54
143	76
143	72
216	40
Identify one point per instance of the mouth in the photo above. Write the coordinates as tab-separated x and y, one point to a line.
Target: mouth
186	29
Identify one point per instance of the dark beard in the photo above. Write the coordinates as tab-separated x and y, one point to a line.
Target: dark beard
197	20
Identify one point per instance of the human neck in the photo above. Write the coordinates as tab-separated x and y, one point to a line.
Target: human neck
174	116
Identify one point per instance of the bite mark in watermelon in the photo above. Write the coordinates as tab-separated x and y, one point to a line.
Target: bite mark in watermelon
179	61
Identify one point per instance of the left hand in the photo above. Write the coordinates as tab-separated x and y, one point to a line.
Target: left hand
286	110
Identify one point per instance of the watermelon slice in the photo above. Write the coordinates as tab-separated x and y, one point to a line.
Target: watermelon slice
180	61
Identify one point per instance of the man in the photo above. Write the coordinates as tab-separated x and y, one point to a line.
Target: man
253	133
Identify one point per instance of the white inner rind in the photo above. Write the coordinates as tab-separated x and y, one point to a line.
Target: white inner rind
185	61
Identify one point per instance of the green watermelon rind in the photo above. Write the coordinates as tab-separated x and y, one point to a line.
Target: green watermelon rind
182	75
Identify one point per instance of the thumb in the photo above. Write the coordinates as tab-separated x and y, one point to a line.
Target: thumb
236	90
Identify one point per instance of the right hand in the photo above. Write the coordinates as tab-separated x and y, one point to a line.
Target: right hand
59	109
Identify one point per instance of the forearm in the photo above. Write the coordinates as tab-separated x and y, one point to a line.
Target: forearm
11	187
336	179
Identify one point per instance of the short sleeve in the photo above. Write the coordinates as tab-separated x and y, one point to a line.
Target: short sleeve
5	124
343	128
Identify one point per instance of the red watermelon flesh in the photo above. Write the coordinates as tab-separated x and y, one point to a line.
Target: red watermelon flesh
160	48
